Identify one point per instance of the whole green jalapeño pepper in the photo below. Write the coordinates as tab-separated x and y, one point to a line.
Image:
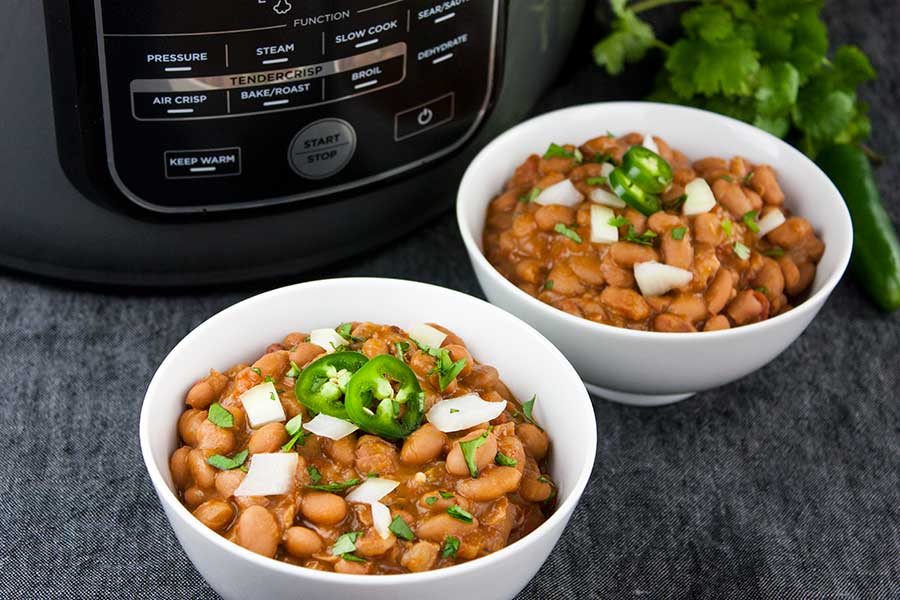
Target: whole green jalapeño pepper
322	385
632	194
647	169
384	398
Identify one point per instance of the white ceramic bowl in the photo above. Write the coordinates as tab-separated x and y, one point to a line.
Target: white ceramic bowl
527	362
651	368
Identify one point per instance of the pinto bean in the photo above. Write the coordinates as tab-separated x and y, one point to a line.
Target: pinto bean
437	527
302	541
627	254
730	195
352	567
627	303
565	281
523	225
533	489
790	272
371	543
534	439
717	323
719	291
342	451
738	167
690	306
421	556
293	339
587	269
614	275
375	455
756	202
257	530
424	445
661	222
458	353
547	217
492	483
530	270
323	508
484	455
203	474
512	446
274	364
373	347
215	514
214	438
207	390
748	306
710	164
189	425
672	323
482	377
228	481
792	233
639	220
766	185
807	272
268	438
195	496
178	466
305	353
707	229
506	201
678	253
770	277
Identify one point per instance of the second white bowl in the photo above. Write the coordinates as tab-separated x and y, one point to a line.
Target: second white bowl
650	368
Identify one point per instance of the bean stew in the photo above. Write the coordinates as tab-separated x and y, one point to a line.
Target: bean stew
629	232
363	449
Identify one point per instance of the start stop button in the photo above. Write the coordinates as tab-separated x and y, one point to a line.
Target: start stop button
322	149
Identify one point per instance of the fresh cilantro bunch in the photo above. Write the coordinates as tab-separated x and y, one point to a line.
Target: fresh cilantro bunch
764	62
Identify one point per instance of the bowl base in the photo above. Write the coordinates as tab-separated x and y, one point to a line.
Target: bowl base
635	399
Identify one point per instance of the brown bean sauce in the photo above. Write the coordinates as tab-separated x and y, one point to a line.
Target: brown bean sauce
301	527
596	281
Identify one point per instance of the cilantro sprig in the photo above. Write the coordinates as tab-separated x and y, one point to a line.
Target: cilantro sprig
765	62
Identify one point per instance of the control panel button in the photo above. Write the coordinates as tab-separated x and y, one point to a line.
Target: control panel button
214	162
179	105
322	149
273	97
365	79
424	117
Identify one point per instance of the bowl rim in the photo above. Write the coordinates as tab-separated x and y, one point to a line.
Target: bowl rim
482	265
171	502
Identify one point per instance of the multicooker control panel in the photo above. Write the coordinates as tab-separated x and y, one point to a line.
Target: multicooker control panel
213	105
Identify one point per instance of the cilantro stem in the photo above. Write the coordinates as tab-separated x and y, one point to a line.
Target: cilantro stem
645	5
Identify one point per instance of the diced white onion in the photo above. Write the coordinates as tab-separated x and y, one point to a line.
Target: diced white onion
330	427
607	198
329	339
772	220
656	278
700	198
463	412
270	474
650	144
601	231
426	335
381	519
372	490
606	168
564	193
262	405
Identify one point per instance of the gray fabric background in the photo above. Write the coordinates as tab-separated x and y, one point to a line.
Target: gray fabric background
781	485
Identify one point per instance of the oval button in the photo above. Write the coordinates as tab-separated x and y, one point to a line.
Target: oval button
322	149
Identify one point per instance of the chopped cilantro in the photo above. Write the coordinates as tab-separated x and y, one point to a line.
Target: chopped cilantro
431	500
400	349
570	233
460	513
295	430
645	239
451	546
548	285
676	203
468	449
346	543
528	410
557	151
741	251
678	233
269	379
344	332
596	180
619	221
256	370
353	558
504	460
762	290
220	416
314	474
445	495
726	227
334	487
728	178
401	529
530	196
774	252
749	219
294	372
223	463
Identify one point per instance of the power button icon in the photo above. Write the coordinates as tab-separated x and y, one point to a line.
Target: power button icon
426	116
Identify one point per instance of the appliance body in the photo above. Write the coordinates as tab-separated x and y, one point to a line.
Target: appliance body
158	142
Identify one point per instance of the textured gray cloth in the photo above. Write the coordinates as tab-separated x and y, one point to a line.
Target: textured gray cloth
781	485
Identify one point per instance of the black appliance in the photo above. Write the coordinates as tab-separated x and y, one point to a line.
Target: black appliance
173	142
